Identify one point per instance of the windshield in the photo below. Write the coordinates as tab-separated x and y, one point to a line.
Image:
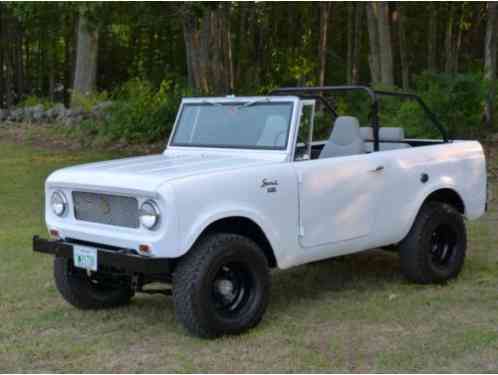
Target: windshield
251	124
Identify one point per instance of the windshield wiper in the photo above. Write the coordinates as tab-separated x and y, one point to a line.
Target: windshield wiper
245	105
212	103
248	104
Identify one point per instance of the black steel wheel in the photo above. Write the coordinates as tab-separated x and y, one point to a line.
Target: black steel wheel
434	249
221	286
232	288
443	245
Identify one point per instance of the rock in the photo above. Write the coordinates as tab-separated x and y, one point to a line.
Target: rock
57	112
4	114
38	113
17	115
101	107
72	120
35	113
75	112
101	110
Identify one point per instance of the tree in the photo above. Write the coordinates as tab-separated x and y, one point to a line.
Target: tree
322	52
490	63
355	69
379	29
354	42
208	47
405	69
385	43
85	74
373	45
432	34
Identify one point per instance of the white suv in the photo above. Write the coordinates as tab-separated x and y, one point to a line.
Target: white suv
244	186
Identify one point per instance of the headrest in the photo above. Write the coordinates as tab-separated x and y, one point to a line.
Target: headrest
391	134
366	133
274	132
276	123
346	130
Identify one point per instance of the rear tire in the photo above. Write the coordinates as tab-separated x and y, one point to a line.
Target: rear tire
221	286
434	249
84	292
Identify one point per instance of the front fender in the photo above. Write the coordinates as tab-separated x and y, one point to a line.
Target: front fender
204	220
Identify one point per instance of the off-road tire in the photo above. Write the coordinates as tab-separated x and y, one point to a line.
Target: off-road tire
194	285
81	293
419	262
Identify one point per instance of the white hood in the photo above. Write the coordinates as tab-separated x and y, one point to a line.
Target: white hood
146	173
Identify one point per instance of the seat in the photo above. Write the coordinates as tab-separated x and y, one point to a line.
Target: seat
366	133
345	139
274	133
394	136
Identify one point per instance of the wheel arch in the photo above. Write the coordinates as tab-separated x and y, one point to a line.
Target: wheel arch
245	227
440	193
446	195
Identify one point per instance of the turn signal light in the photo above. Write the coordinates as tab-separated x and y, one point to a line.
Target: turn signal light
54	233
144	248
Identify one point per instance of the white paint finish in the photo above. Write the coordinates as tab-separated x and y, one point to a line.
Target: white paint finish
338	197
339	207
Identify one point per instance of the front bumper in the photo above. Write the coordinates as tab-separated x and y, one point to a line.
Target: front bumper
121	260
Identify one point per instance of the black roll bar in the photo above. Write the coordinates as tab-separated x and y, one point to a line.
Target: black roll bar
373	94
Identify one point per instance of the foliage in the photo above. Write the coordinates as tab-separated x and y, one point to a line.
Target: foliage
88	101
456	100
32	100
139	113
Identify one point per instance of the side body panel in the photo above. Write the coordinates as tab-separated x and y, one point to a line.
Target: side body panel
398	192
337	198
204	199
384	206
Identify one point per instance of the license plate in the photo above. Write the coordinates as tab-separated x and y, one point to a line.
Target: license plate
85	257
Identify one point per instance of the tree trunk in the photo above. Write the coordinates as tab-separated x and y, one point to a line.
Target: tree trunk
448	66
405	72
490	63
324	22
432	39
373	38
458	44
85	74
68	57
385	43
350	29
208	49
355	71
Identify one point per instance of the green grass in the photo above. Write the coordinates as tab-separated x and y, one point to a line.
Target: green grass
353	313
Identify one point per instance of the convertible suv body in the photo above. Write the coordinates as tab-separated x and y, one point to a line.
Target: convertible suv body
244	186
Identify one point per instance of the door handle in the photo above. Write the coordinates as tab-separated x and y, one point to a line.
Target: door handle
380	168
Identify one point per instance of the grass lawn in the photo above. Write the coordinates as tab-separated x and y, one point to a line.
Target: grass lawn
353	313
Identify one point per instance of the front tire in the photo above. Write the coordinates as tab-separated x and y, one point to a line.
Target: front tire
89	292
434	249
221	286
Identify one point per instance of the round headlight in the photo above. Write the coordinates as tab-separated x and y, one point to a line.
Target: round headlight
149	214
58	202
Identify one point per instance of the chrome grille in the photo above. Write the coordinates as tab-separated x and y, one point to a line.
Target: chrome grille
106	209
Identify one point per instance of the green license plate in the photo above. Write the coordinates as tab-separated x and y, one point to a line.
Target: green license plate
85	257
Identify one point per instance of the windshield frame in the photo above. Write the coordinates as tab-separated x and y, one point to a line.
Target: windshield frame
254	100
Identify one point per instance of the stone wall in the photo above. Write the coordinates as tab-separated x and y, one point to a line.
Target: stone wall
58	113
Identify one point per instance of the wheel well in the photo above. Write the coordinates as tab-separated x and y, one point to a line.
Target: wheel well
448	196
245	227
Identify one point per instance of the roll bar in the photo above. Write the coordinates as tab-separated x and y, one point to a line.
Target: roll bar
317	93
